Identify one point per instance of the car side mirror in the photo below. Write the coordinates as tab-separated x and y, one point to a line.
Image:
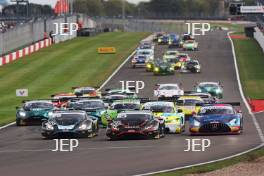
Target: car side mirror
17	107
194	113
239	111
180	111
106	105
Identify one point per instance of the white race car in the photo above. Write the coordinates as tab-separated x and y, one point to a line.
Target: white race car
168	91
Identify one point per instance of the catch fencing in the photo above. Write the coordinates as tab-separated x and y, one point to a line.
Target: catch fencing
259	36
26	34
132	25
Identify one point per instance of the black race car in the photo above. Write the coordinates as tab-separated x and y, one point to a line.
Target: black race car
163	68
70	123
136	123
192	66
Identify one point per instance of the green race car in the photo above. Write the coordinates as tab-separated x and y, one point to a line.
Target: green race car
151	64
117	107
213	88
163	68
33	112
190	45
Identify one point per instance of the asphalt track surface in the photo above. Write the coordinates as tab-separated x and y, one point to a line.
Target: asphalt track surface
23	152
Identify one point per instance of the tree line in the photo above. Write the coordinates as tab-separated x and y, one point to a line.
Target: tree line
154	8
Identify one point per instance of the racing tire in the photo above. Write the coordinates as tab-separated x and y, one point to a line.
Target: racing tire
19	122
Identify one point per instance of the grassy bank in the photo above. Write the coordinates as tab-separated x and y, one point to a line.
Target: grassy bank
62	66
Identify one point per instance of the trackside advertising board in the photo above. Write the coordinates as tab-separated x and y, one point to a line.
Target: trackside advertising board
106	50
252	9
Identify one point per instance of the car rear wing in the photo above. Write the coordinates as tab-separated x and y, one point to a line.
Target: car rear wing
220	103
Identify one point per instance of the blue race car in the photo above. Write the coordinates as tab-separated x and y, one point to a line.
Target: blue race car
217	119
174	40
163	40
139	61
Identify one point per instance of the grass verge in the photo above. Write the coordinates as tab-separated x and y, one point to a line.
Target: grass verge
62	66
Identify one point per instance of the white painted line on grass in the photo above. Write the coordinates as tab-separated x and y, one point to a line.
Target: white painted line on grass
260	133
12	123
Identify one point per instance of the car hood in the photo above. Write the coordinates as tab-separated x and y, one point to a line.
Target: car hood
225	118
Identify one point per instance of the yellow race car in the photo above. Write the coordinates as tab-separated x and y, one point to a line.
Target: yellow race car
189	104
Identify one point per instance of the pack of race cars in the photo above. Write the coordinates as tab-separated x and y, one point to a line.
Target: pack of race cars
84	110
173	60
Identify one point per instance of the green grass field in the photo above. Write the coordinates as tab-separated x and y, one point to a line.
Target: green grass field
251	63
62	66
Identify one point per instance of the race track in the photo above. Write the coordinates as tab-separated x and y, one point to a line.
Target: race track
23	152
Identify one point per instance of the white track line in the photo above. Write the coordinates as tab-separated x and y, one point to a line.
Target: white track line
10	124
260	133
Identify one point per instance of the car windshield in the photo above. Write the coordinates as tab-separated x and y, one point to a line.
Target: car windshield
189	102
189	41
88	104
84	91
171	53
169	87
215	110
134	117
159	108
143	53
38	105
174	60
68	119
126	106
209	86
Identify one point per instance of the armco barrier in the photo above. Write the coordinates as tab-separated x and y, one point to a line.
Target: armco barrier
259	36
25	51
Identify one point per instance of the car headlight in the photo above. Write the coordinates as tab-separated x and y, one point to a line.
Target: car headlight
134	60
50	114
233	122
171	68
218	90
148	65
156	69
115	124
49	126
83	126
199	90
196	123
197	66
22	114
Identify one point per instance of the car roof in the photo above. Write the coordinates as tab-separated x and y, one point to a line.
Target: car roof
88	100
126	101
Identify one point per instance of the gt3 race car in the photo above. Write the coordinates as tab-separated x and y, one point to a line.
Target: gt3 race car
33	112
163	68
139	61
214	88
60	100
192	66
163	40
170	54
119	106
127	92
190	45
174	40
164	91
93	107
217	119
86	92
70	124
150	65
174	118
146	45
139	123
189	104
